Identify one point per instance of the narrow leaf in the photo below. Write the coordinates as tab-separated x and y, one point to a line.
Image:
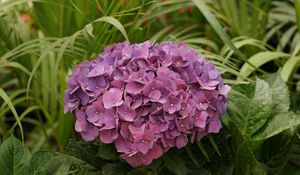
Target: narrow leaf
260	59
7	100
175	163
218	28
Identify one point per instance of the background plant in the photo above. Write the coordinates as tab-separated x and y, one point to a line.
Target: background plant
41	40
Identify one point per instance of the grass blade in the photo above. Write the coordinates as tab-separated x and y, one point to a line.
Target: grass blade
219	30
260	59
297	9
113	21
7	100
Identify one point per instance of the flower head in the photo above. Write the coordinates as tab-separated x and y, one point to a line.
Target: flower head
146	98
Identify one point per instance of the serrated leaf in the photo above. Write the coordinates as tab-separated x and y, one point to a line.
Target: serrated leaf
14	157
250	106
174	163
280	93
85	152
108	152
276	125
69	163
40	161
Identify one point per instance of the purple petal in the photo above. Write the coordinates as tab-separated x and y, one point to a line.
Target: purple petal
112	98
126	113
90	134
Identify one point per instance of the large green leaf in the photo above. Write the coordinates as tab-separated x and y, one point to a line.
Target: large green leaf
280	93
277	124
250	106
14	157
84	152
40	161
15	160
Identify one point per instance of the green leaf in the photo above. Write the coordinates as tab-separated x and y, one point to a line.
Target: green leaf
275	152
67	163
40	161
174	163
14	157
250	106
276	125
245	161
116	169
85	152
108	152
280	93
58	165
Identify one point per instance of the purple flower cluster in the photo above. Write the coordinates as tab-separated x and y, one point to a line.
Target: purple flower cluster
146	98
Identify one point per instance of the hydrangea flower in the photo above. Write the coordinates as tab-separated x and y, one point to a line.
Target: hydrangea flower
146	98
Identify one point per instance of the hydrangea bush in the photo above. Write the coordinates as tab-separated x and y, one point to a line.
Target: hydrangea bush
146	98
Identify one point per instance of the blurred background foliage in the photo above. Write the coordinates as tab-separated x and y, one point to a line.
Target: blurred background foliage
41	41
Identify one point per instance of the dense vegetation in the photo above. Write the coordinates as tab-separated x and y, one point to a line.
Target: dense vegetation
255	44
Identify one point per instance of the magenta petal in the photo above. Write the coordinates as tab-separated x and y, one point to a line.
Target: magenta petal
80	115
107	120
181	141
144	146
224	90
134	87
133	160
126	113
90	134
155	152
136	129
92	114
112	98
122	145
97	71
108	136
200	120
156	94
81	126
214	126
